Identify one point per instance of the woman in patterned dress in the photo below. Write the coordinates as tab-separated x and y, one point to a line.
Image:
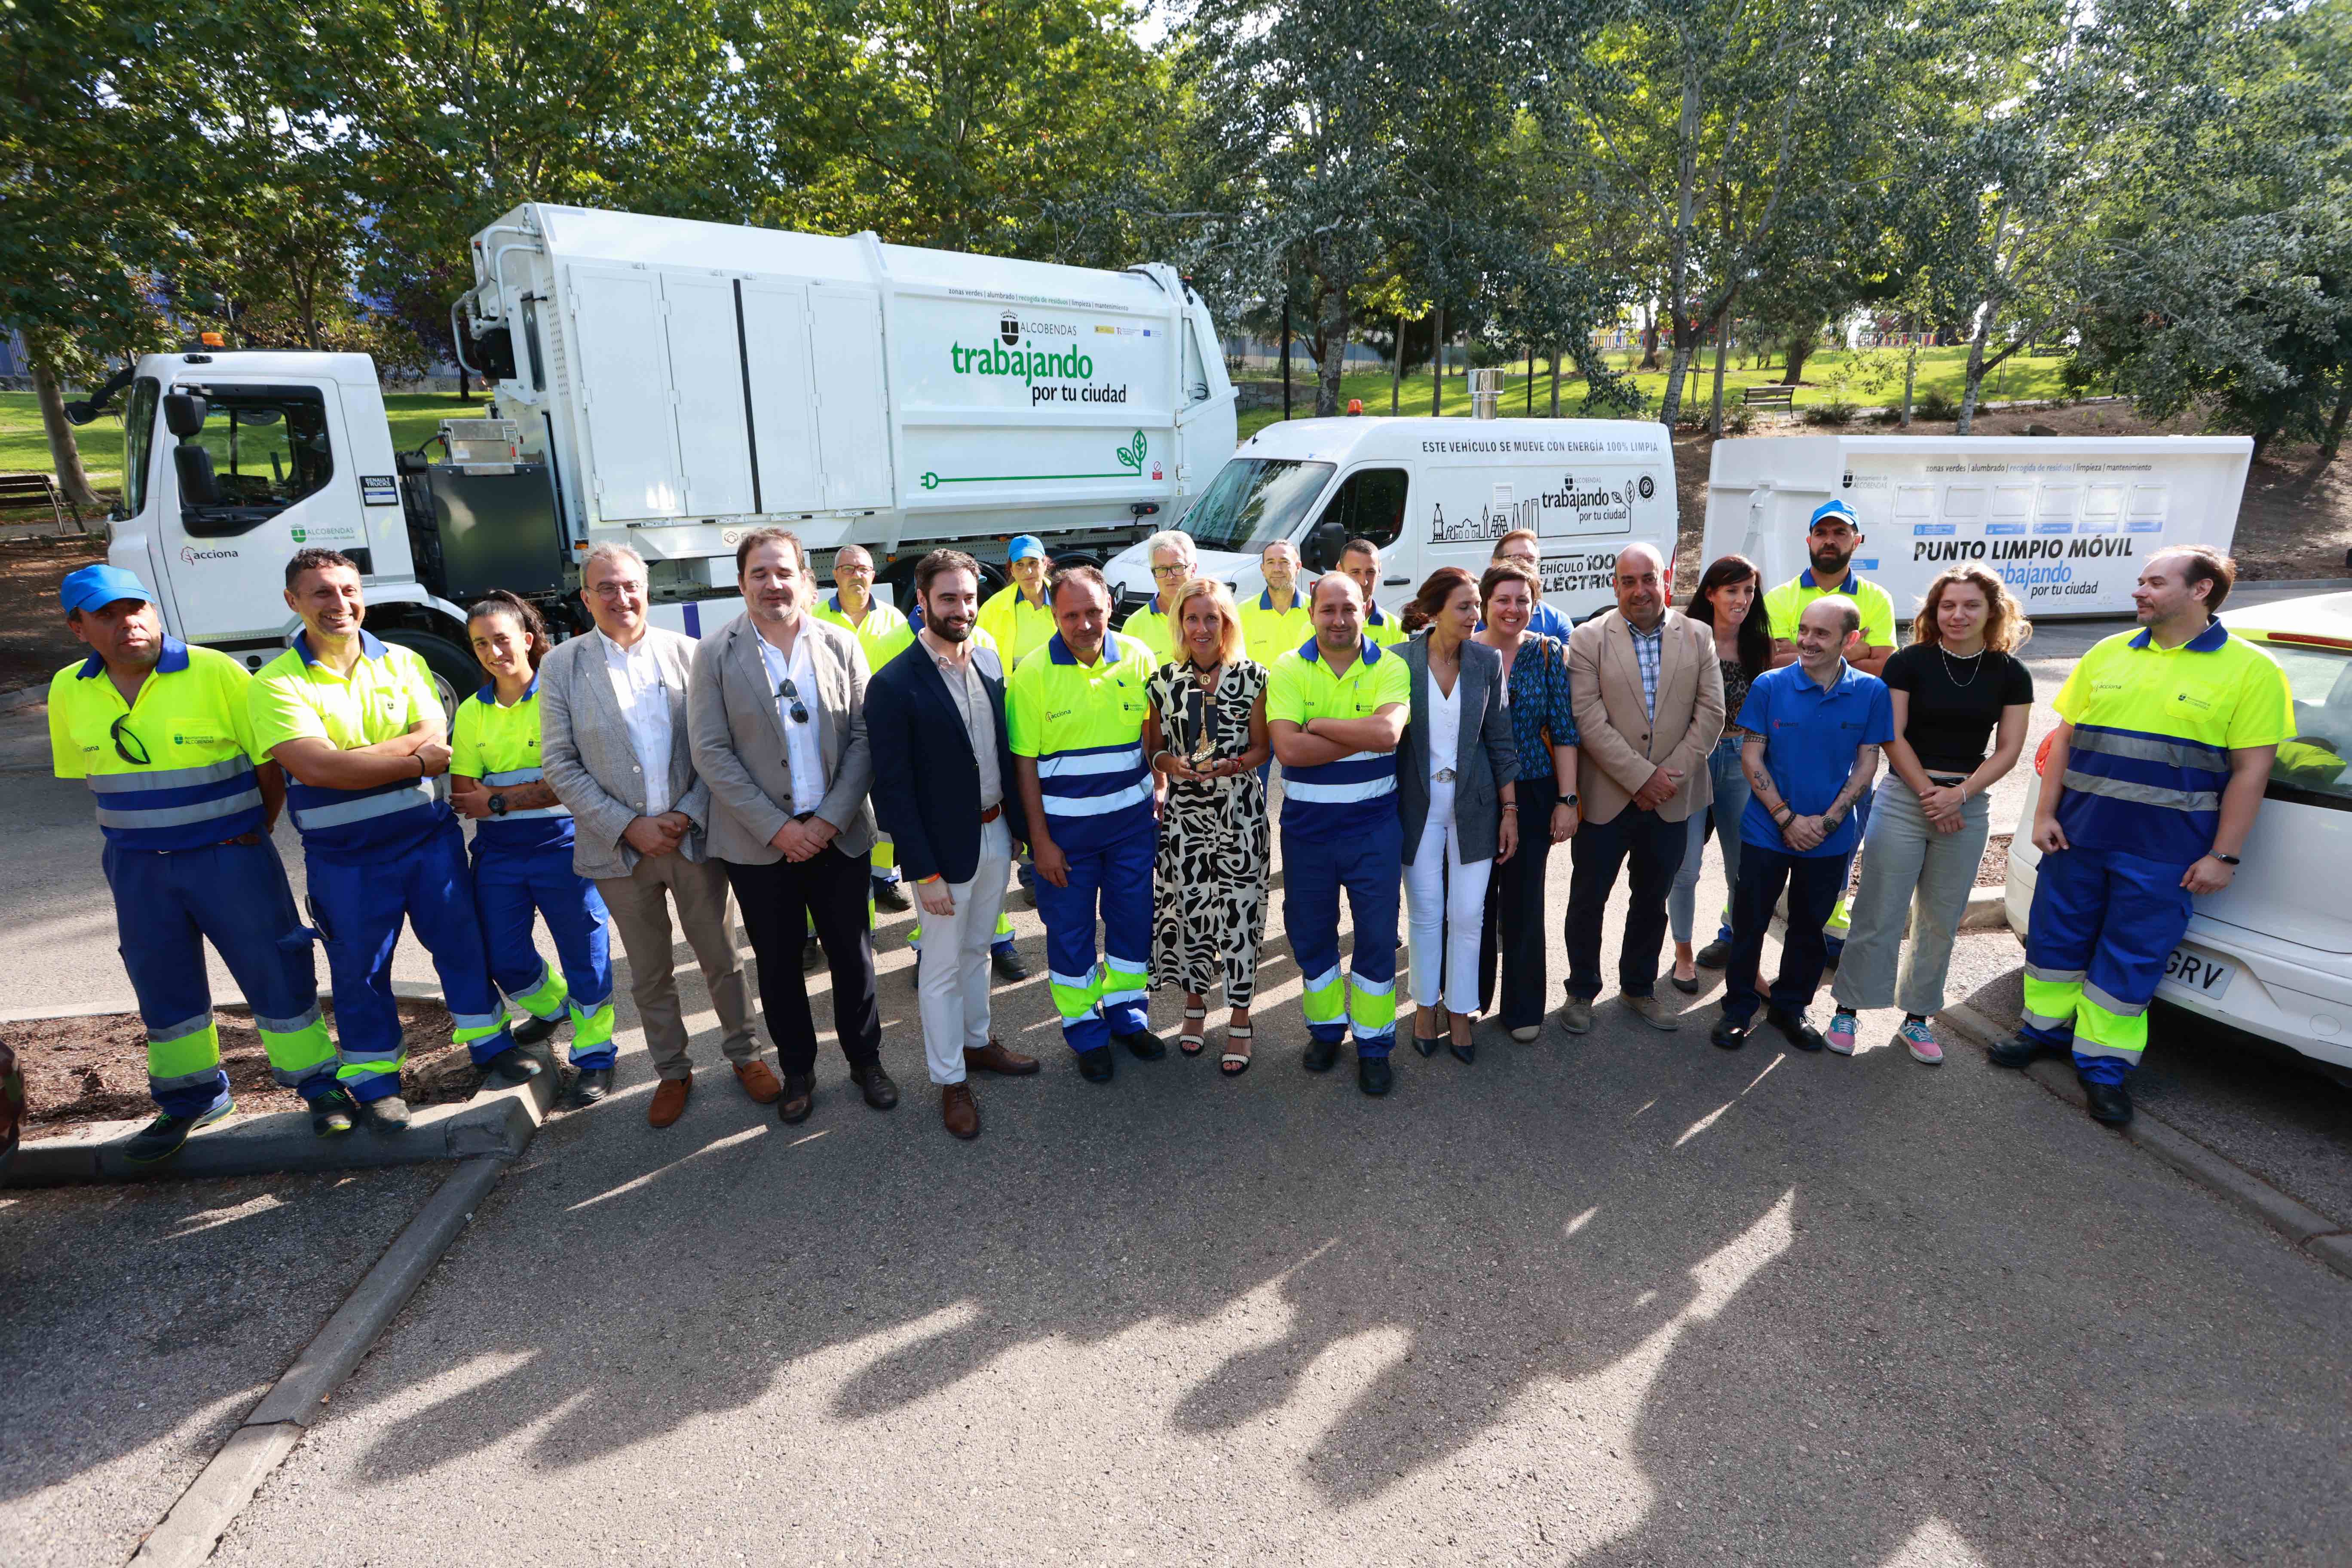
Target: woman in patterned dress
1207	740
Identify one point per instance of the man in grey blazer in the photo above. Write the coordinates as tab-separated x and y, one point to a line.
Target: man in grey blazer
777	713
612	745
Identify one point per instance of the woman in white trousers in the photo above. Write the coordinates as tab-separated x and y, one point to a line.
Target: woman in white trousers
1456	787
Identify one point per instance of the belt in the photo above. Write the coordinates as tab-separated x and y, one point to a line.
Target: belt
1443	775
992	814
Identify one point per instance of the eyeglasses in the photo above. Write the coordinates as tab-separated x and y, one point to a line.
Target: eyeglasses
127	746
1173	573
612	590
791	693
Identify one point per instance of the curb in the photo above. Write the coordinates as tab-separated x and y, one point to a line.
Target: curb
220	1491
497	1122
1986	912
2306	1228
402	990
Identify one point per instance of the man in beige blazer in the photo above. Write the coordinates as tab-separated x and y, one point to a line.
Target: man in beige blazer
612	744
1648	696
777	713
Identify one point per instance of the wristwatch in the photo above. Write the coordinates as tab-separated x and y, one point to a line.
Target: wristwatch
497	805
1571	798
2226	859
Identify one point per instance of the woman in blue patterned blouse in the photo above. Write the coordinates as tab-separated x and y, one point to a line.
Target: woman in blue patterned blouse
1535	690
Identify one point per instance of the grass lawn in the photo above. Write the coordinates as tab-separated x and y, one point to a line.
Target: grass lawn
1940	370
23	449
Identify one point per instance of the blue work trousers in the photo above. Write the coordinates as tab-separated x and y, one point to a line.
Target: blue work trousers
1096	1002
2102	924
167	905
512	886
1368	868
358	906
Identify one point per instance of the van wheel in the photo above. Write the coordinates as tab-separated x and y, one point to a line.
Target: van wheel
454	673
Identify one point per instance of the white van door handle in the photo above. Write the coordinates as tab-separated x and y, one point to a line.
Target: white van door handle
1394	582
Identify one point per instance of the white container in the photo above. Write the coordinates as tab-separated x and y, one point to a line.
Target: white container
2067	521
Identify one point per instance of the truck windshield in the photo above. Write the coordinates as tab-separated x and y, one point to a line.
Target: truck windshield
1254	501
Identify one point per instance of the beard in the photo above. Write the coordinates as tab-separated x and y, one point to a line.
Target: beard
1828	560
956	630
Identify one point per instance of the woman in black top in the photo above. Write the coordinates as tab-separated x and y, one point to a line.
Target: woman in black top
1958	687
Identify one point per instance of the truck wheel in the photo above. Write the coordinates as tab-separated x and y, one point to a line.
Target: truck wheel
454	673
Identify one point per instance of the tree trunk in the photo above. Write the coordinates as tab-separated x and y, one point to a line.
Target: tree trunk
2335	442
1910	379
1285	356
65	452
1670	407
1396	368
1333	362
1974	384
1437	363
1800	349
1722	335
1555	387
1649	340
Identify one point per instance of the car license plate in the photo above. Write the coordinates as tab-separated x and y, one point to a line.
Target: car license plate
2192	971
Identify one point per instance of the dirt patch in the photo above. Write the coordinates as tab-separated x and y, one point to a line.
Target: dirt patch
2294	523
34	641
80	1070
1992	871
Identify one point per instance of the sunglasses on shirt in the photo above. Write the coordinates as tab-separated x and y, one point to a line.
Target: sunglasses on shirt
791	693
127	746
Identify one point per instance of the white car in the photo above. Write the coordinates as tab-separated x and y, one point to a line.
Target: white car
2272	952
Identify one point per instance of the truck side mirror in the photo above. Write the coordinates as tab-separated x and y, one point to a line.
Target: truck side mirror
184	414
1321	553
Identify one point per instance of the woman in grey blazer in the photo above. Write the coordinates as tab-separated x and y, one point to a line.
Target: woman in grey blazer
1456	787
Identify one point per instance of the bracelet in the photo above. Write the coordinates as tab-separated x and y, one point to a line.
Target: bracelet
1784	816
1511	805
2226	859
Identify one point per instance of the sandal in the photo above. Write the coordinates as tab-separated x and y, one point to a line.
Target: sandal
1195	1037
1232	1064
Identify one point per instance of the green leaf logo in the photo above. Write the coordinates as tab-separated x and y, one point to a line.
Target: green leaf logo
1130	456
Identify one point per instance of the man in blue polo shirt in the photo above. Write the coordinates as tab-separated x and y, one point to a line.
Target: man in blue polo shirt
1814	729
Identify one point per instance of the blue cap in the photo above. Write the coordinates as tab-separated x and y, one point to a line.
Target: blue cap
1024	545
1833	509
95	587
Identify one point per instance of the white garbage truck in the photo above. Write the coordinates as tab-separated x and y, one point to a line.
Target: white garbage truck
667	385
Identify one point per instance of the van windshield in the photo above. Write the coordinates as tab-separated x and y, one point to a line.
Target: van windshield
1254	501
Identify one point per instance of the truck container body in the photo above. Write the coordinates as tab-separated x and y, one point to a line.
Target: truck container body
2066	521
1432	493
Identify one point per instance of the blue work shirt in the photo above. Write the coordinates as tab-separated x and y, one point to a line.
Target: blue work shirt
1811	735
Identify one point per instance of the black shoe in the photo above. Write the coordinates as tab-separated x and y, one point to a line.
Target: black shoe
533	1029
514	1064
1321	1054
164	1137
891	897
1688	987
593	1085
792	1106
812	956
2017	1051
1008	966
1096	1065
389	1114
1373	1075
1728	1034
875	1085
1147	1045
332	1113
1714	954
1466	1055
1797	1032
1427	1046
2107	1103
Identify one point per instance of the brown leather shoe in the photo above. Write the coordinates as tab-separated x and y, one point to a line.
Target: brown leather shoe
960	1110
758	1081
993	1057
799	1097
669	1100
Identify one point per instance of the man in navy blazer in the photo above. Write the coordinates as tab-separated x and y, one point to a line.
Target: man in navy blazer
943	791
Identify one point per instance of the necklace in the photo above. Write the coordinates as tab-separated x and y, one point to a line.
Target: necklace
1971	658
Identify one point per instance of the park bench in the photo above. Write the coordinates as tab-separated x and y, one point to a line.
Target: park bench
38	489
1770	397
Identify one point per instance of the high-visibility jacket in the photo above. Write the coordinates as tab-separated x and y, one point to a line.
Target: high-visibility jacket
2153	729
1148	625
499	746
389	691
1785	605
189	722
1084	725
1381	628
884	634
1270	629
1019	626
1336	800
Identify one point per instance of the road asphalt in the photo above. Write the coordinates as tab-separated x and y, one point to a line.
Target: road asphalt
1616	1298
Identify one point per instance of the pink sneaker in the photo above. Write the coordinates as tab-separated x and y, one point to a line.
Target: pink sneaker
1840	1033
1919	1043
